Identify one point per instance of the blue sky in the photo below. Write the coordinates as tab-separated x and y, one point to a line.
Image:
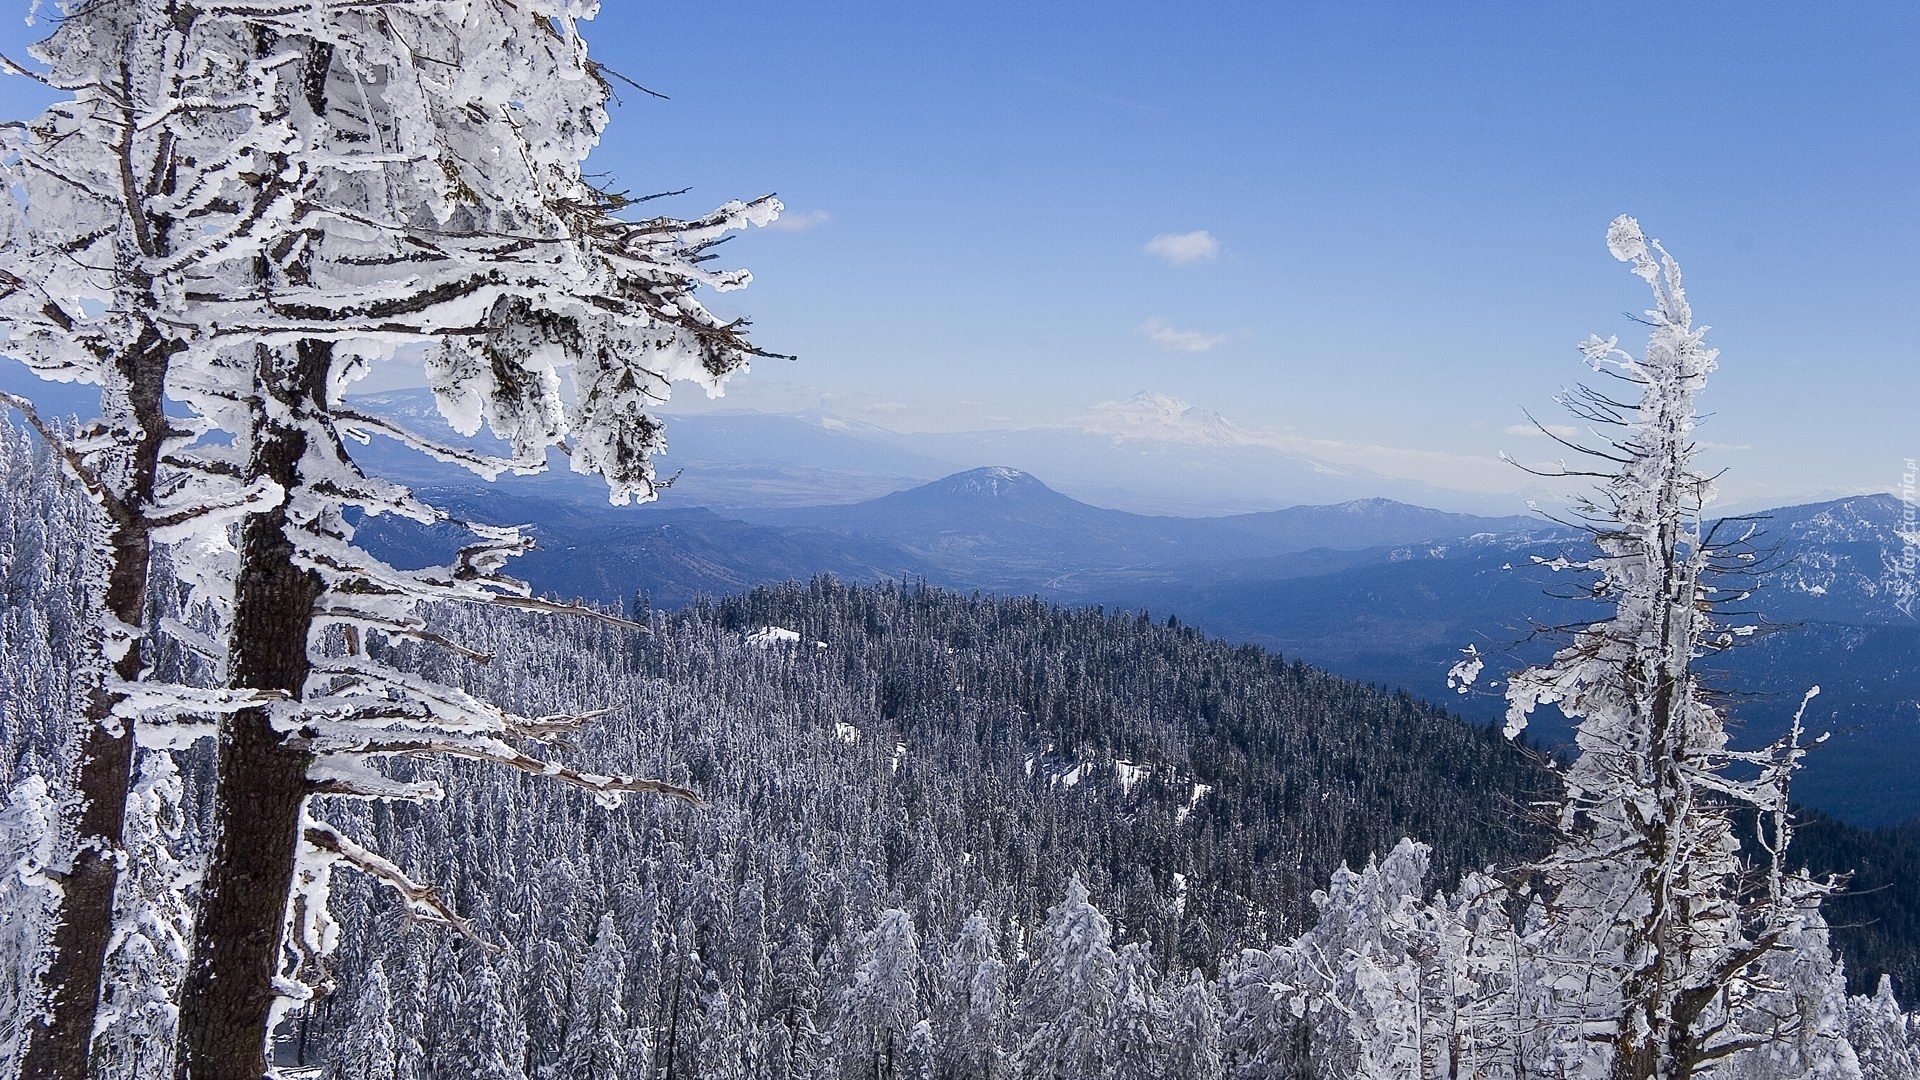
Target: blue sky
1408	203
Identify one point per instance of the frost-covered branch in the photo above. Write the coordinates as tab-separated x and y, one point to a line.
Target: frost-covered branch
608	790
423	901
1650	898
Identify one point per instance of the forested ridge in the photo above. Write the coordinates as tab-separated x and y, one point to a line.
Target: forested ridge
921	751
961	760
908	748
939	754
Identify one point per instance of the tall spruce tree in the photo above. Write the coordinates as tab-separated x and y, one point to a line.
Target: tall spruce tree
971	1012
597	1024
1193	1031
1071	992
882	1002
374	1054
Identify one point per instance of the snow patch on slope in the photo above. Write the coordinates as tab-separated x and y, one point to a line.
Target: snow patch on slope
769	637
1199	791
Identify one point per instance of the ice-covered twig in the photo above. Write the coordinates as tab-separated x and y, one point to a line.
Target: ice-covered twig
75	462
423	901
608	790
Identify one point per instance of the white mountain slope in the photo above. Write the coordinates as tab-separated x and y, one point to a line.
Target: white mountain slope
1150	416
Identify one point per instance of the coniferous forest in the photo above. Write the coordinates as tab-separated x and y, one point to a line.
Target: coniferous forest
926	817
278	805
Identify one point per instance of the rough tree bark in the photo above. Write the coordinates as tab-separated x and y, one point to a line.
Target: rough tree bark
228	994
58	1046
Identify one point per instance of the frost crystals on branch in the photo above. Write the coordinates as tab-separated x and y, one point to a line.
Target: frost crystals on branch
369	179
1669	942
119	206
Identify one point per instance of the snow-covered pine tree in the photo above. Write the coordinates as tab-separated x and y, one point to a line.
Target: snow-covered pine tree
1388	984
123	202
793	1010
1481	980
1661	932
1801	1011
597	1025
751	963
971	1010
1071	992
149	948
1261	1032
1193	1031
1885	1039
1356	976
725	1041
1139	1017
922	1050
29	844
373	1053
491	1031
410	990
550	972
46	525
882	1003
509	265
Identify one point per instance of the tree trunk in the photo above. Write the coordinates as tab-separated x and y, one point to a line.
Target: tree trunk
1635	1058
228	994
59	1047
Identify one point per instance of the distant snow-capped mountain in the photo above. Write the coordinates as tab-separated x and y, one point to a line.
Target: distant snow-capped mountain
991	482
1149	454
1155	417
1852	559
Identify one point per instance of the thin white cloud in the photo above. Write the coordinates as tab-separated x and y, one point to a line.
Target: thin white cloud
800	220
1183	249
1530	431
1163	334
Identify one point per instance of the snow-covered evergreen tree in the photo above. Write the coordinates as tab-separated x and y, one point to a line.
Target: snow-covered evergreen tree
1139	1017
1262	1032
121	203
1884	1037
725	1041
919	1061
881	1004
597	1032
440	205
1358	978
972	1010
374	1052
29	839
490	1033
149	950
410	988
1661	931
1071	992
795	1043
1193	1031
